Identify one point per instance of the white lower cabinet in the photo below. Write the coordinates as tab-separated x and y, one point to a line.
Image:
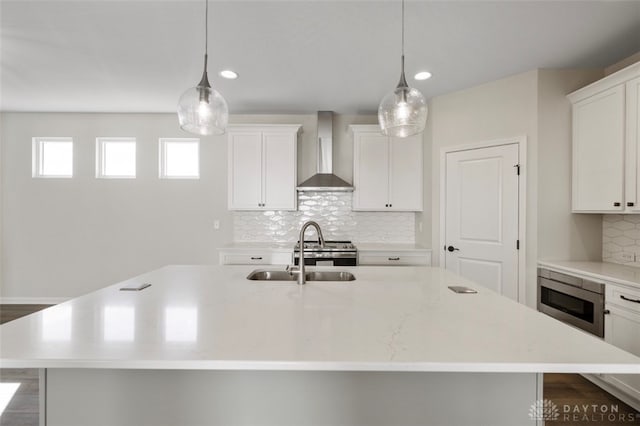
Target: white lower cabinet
255	257
622	329
394	258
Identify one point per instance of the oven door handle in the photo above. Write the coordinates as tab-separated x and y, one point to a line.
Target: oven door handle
629	299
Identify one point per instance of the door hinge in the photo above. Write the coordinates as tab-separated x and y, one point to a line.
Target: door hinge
517	166
517	244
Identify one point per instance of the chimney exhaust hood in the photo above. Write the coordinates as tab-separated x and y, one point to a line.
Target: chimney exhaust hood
324	179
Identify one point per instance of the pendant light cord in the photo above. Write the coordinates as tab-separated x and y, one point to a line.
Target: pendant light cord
206	27
204	82
402	28
206	33
403	80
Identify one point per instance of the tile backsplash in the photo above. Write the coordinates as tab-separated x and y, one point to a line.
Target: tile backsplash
332	210
621	239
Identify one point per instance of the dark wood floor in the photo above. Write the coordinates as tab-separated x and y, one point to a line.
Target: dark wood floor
563	390
585	402
11	312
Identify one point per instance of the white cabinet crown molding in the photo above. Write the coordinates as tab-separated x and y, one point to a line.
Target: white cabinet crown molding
297	128
619	77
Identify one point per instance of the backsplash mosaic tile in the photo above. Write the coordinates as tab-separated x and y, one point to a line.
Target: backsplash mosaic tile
332	210
621	239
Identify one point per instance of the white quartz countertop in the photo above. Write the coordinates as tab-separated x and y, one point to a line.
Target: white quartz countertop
389	319
612	272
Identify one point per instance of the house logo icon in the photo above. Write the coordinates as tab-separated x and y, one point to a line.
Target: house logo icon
544	409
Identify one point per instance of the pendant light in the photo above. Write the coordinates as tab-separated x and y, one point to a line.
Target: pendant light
201	109
403	112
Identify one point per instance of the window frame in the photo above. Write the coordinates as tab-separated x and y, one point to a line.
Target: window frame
37	157
101	142
162	157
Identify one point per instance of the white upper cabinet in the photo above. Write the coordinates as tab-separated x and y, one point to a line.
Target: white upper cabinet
605	144
262	167
387	172
632	91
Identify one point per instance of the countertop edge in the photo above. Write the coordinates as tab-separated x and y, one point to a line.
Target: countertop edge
560	267
430	367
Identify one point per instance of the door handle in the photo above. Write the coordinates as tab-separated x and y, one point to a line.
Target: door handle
629	300
630	204
452	248
616	204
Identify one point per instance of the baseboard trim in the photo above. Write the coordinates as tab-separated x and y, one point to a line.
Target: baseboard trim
32	300
621	395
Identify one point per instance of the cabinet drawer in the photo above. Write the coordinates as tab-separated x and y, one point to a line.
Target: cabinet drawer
255	259
394	259
623	297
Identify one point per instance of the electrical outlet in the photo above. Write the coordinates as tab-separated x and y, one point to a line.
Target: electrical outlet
628	256
216	224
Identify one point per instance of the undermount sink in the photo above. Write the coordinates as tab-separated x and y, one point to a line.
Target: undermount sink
265	275
330	276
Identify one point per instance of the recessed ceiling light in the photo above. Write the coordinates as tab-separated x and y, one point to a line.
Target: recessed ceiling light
422	75
231	75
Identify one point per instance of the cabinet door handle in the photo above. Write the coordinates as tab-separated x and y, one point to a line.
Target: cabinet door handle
616	204
386	205
256	257
630	204
394	258
629	300
390	205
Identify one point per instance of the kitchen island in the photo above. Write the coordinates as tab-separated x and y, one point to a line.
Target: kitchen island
204	345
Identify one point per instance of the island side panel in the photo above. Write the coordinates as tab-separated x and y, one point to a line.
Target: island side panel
78	397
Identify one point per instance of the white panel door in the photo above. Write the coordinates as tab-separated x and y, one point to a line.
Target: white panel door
245	161
598	151
371	172
279	172
405	175
481	216
633	144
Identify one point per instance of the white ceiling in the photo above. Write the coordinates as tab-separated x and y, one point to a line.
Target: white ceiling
292	56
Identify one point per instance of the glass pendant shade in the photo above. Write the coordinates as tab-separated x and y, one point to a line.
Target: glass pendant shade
403	112
203	111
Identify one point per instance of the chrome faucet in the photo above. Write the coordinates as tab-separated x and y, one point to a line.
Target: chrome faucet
301	278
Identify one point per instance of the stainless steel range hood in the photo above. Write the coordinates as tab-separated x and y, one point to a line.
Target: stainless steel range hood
324	179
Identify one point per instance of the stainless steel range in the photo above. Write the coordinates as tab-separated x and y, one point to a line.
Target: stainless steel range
333	253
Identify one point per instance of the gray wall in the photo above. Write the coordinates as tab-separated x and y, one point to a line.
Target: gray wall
561	234
498	110
532	104
66	237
